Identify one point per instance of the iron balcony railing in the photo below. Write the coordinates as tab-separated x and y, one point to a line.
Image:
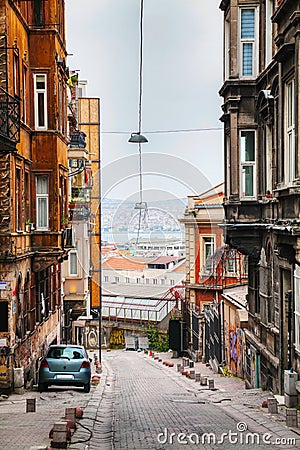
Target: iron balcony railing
9	116
77	139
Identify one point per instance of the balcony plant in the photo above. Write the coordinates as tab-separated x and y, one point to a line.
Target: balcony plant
64	221
28	226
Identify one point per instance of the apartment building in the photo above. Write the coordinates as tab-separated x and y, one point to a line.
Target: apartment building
262	176
33	182
211	267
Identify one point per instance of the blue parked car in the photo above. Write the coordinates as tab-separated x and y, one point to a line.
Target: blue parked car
65	365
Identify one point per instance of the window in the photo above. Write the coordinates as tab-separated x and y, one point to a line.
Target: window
18	200
105	278
269	39
40	101
297	306
117	279
208	251
16	76
230	262
154	280
28	195
269	162
172	282
42	202
138	280
228	165
38	12
226	48
289	132
147	281
3	316
247	157
24	116
248	47
73	263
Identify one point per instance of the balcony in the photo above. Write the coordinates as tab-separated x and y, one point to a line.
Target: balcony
79	211
9	117
77	146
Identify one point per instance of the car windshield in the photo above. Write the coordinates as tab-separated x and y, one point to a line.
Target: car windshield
65	352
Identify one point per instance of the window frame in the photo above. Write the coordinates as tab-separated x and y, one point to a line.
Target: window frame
19	198
247	163
206	241
37	92
269	30
42	196
297	307
73	253
253	41
289	132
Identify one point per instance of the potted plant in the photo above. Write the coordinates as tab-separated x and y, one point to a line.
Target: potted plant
64	221
28	226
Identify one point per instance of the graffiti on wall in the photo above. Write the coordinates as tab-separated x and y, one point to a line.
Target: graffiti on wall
236	350
117	337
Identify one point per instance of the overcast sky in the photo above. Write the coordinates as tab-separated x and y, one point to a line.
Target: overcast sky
182	73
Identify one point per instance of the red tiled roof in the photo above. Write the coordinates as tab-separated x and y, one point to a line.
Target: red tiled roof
124	263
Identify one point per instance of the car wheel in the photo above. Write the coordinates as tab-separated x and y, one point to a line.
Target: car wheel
87	387
43	387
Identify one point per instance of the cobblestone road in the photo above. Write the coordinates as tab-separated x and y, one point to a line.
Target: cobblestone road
153	405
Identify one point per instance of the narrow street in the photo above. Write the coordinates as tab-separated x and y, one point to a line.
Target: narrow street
154	407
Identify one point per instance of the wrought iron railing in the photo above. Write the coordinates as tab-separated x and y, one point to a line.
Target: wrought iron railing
77	139
9	116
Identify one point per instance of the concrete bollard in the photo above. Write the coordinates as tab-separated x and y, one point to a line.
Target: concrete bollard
198	377
272	405
203	381
70	414
30	404
192	374
59	435
211	383
19	380
291	417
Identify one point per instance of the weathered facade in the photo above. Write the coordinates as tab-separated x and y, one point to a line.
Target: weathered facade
33	181
81	272
210	268
262	176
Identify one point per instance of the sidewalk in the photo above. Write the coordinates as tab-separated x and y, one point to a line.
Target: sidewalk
30	431
230	393
21	430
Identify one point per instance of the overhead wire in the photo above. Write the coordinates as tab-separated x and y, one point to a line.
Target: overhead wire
140	122
180	130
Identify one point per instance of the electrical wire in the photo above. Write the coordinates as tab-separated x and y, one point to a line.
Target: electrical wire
140	122
180	130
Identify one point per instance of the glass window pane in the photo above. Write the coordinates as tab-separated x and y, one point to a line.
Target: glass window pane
40	82
42	212
247	59
247	23
42	185
247	181
247	146
290	108
41	109
73	263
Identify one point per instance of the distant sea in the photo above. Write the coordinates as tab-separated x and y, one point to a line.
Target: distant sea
152	236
